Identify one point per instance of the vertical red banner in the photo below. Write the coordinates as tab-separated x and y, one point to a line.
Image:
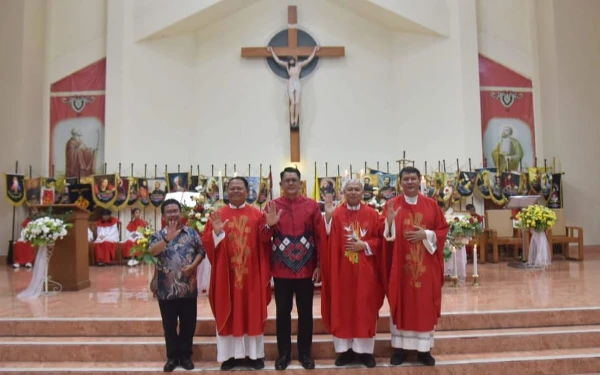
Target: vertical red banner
507	126
77	107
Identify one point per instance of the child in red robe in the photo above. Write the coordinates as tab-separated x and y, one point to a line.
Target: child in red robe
132	235
105	245
23	252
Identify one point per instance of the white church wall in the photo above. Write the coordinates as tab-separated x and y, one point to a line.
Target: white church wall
78	35
436	86
22	37
569	35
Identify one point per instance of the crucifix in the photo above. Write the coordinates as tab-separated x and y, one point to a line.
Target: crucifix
292	51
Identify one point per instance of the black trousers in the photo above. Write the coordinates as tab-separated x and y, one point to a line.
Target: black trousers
284	298
182	311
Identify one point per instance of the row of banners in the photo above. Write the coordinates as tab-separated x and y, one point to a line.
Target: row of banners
114	191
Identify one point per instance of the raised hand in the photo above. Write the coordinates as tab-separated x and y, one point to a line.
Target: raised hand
272	215
172	230
391	213
329	206
217	223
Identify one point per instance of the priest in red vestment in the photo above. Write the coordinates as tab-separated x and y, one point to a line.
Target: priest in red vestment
105	245
132	235
23	251
237	245
415	230
352	294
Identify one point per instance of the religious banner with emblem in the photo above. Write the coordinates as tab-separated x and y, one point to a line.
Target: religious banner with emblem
212	190
388	186
15	188
370	185
49	190
141	190
555	200
122	192
535	180
77	113
264	191
158	192
33	190
497	189
253	186
105	192
466	184
507	125
546	185
178	182
524	186
430	189
224	185
194	183
511	183
484	182
328	185
82	195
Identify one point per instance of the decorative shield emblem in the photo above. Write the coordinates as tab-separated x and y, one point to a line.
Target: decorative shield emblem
105	189
506	98
15	191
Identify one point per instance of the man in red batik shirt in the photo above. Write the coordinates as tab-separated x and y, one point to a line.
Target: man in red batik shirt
415	230
298	235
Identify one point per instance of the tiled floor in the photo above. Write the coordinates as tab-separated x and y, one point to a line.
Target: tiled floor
121	292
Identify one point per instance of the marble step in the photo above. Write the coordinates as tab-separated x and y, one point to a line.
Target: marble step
549	362
206	326
107	349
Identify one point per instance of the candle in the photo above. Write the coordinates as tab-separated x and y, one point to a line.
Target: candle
423	185
475	261
220	185
455	262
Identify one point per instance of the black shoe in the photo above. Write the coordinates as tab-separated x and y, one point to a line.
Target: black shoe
257	364
426	358
99	264
187	364
170	365
228	364
398	357
282	362
368	360
345	358
307	362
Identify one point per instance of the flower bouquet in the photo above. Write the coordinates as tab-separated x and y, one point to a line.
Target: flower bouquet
141	248
461	231
43	232
537	219
197	215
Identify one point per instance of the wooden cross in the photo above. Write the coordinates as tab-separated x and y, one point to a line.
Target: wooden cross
295	51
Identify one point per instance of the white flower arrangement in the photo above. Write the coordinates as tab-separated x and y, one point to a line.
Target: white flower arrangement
45	230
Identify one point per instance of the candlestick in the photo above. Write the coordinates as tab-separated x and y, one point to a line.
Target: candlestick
220	185
475	260
362	173
455	266
423	185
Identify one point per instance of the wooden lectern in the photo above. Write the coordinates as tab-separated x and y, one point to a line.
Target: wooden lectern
69	264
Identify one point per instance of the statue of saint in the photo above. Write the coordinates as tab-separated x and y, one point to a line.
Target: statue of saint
294	88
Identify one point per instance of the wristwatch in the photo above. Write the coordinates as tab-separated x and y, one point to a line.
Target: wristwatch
165	239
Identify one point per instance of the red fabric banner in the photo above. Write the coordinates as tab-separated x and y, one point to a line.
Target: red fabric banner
77	107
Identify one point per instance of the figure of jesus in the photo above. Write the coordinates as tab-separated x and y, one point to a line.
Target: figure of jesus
294	88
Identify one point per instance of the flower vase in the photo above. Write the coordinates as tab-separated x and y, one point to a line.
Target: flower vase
40	281
539	249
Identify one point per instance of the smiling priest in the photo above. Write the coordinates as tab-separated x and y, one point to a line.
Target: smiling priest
237	244
415	230
351	293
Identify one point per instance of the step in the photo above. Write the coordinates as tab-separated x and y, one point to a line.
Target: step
550	362
206	326
100	349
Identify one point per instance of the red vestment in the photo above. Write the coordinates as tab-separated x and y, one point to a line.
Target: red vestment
239	291
414	277
105	250
23	252
297	238
352	294
128	244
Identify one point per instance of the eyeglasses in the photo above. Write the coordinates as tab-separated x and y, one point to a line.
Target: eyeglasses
290	181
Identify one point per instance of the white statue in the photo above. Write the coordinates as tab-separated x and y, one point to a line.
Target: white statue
294	88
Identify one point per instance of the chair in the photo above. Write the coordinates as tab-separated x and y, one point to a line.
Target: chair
94	227
499	231
562	234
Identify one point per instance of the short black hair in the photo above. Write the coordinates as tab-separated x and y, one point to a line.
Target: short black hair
106	212
290	170
470	207
135	209
169	202
243	179
409	170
